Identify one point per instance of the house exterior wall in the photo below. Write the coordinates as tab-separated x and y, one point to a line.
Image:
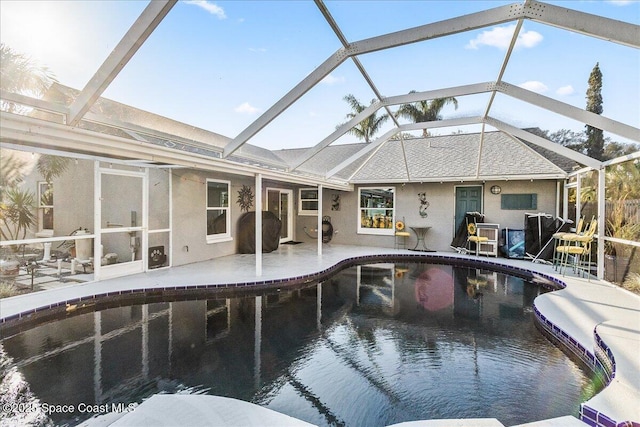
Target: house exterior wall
74	208
73	198
440	213
189	213
546	191
190	216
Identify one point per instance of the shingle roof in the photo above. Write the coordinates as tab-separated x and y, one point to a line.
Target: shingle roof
436	158
325	160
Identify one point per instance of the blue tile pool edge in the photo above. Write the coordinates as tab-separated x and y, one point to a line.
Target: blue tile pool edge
288	282
601	363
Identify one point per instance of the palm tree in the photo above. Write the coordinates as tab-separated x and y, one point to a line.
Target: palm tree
51	167
425	111
367	128
20	74
16	213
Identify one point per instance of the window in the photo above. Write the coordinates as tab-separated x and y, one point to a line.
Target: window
218	213
519	201
308	201
377	210
45	206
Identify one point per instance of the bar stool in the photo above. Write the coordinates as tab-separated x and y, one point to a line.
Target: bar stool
579	248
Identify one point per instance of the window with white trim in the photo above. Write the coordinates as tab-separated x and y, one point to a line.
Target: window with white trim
45	206
376	213
218	211
308	201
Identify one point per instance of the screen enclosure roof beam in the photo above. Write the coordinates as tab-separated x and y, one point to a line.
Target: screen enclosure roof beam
544	143
583	116
141	29
39	134
393	100
516	92
338	32
400	38
600	27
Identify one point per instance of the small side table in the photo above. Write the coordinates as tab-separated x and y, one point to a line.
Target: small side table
421	233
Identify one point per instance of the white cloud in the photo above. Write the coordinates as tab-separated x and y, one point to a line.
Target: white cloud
245	108
620	2
528	39
500	37
332	80
257	49
212	8
534	86
565	90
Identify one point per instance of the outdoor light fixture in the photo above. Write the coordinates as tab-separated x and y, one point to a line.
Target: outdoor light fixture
496	189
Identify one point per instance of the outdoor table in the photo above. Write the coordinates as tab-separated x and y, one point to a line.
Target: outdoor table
421	232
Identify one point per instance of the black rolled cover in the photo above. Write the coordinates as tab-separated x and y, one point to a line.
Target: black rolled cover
271	226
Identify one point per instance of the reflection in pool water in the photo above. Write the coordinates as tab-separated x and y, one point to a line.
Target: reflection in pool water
374	345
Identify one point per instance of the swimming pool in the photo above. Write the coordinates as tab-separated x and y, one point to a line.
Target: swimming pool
373	345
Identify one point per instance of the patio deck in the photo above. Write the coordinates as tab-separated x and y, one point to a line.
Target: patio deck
595	315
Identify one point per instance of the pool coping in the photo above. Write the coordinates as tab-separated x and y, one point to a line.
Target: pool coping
599	352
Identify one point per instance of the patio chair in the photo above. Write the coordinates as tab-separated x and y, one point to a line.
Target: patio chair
401	234
575	249
473	237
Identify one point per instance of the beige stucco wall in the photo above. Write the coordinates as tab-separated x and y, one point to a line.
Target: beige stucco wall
74	206
440	213
190	219
189	213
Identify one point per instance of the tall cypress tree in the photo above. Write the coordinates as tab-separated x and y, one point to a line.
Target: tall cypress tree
595	139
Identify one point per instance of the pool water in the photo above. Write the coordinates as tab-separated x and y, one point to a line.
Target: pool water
372	346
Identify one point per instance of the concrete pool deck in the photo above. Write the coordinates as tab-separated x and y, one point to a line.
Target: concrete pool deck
595	317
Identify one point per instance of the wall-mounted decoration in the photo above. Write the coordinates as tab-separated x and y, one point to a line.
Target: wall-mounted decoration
496	189
424	204
335	202
245	198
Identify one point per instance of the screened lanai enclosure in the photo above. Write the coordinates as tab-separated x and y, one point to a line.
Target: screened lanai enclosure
129	128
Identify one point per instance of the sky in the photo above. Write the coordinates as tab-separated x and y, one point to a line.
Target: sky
219	65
